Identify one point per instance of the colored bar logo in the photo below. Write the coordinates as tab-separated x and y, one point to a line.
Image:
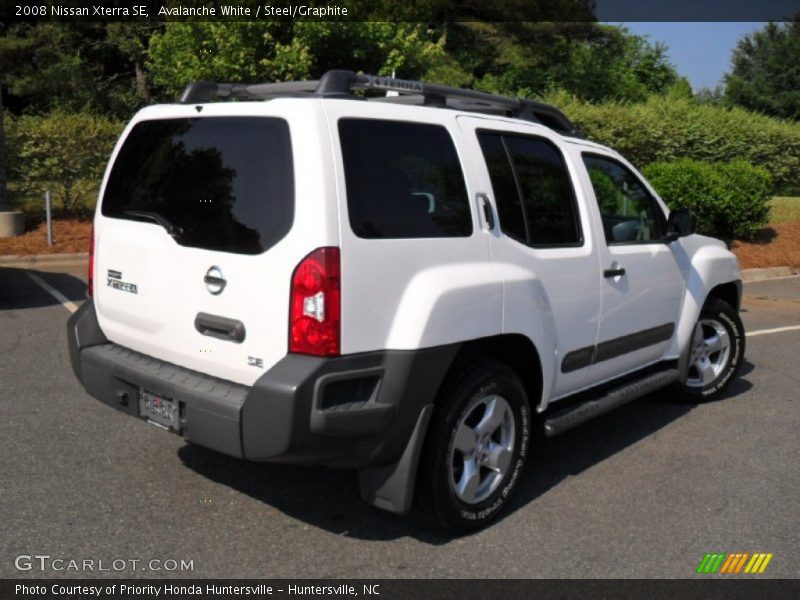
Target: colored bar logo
733	563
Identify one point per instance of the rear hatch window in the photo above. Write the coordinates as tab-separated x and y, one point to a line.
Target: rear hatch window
218	183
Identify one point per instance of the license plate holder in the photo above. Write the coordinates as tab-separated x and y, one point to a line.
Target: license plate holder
160	411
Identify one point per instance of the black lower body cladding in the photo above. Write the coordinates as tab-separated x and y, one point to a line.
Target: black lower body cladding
299	411
353	411
83	332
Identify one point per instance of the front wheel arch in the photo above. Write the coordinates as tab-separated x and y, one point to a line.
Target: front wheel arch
730	292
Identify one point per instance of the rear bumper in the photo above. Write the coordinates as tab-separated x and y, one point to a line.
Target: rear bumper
351	411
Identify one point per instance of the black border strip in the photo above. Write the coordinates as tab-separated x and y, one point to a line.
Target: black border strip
701	588
421	11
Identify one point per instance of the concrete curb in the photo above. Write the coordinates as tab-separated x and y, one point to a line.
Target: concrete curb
768	273
31	260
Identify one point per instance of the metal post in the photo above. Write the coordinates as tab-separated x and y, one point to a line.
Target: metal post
49	219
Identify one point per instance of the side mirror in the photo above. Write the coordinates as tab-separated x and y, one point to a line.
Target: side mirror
679	224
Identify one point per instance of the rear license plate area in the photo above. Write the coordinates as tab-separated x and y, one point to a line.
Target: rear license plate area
160	411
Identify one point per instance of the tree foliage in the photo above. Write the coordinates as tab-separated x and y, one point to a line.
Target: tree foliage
590	61
116	68
64	153
74	66
766	71
282	51
728	200
671	126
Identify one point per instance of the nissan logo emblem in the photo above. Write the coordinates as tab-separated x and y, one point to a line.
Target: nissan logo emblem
215	281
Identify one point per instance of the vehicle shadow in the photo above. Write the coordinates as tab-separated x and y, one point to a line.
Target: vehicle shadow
329	499
581	448
18	290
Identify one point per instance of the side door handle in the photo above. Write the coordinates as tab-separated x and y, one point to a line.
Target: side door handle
616	272
486	209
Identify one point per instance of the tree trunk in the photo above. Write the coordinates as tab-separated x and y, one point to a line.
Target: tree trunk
141	83
4	205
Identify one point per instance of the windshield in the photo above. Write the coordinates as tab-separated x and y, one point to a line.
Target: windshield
225	183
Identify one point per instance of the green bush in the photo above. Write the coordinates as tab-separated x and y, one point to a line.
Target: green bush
729	200
672	126
61	152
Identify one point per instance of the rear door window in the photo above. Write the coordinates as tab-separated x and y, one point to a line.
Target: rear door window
506	194
404	180
533	190
222	183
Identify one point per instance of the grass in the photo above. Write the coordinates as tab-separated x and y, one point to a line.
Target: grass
784	209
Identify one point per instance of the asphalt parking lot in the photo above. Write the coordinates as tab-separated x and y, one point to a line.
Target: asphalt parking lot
643	492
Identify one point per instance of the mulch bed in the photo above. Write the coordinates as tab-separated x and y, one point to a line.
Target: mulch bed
777	245
69	236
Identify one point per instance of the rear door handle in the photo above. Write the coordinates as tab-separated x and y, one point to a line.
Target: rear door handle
488	215
618	272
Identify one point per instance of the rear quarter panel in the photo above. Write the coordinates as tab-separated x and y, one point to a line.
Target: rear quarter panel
405	294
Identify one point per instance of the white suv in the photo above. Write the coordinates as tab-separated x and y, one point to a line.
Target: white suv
412	284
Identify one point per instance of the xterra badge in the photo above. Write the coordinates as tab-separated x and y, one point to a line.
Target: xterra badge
114	278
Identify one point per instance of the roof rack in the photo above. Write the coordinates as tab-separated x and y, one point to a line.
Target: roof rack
340	84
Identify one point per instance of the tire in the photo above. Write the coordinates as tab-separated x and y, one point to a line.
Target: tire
716	352
476	446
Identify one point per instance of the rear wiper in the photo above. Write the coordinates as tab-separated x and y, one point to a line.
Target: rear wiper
171	228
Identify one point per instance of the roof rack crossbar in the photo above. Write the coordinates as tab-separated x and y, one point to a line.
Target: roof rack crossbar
433	93
406	86
341	83
207	91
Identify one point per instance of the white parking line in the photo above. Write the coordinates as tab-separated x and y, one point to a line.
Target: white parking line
776	330
65	302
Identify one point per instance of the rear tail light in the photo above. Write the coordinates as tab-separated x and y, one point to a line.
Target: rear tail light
315	305
90	287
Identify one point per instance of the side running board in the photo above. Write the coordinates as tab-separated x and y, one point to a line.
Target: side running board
572	416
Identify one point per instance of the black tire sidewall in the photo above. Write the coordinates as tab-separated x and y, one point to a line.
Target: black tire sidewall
486	380
726	315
